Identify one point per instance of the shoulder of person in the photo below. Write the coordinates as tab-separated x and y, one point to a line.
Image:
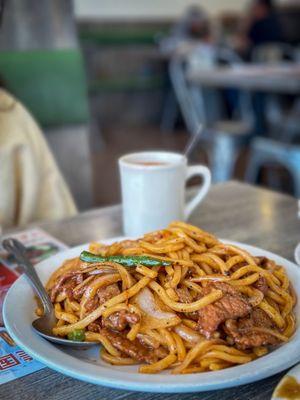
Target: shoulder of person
17	126
7	101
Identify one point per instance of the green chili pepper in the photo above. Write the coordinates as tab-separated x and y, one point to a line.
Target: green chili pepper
127	261
77	335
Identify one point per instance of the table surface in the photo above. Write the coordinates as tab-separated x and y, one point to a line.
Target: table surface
279	78
231	210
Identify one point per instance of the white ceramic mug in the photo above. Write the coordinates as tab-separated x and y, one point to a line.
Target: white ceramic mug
153	190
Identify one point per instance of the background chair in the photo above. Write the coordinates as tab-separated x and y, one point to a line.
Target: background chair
265	152
278	109
222	138
282	117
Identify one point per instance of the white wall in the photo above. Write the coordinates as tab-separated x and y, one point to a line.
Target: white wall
149	9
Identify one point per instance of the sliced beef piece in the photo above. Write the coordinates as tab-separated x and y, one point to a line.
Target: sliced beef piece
264	262
102	296
242	331
95	326
91	304
231	306
153	345
66	283
133	349
237	266
71	284
185	297
77	294
261	284
120	320
108	292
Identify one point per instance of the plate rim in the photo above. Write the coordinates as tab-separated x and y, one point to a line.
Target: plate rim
156	385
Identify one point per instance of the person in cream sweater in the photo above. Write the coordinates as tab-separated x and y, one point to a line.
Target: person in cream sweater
31	185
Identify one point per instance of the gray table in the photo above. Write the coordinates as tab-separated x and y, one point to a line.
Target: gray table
232	210
281	78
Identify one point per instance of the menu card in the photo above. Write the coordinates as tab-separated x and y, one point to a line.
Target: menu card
14	362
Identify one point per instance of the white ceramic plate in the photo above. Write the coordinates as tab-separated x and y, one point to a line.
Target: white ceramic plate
297	254
85	364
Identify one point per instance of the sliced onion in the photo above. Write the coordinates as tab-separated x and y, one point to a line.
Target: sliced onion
148	341
187	334
101	271
146	302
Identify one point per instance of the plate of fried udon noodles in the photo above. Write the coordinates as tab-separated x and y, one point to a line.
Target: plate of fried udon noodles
177	310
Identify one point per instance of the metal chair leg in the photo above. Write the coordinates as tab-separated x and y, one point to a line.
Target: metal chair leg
264	151
255	162
222	156
295	172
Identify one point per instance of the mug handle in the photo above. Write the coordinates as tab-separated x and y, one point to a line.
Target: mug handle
197	170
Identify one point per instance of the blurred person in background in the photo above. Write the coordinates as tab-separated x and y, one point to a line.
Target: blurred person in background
265	25
261	26
190	38
31	185
193	27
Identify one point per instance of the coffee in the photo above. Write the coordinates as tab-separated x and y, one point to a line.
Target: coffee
149	163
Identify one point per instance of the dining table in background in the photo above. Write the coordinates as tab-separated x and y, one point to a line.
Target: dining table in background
279	78
231	210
